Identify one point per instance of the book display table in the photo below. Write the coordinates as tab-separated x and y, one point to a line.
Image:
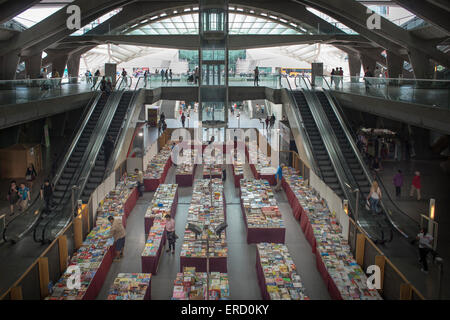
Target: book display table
154	247
131	286
191	285
277	274
185	172
95	256
261	169
261	214
165	201
343	276
203	211
157	169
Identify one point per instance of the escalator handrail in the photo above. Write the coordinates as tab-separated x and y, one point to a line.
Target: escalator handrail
361	161
122	132
89	163
75	135
304	133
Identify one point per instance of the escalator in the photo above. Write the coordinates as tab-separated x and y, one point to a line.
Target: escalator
69	171
98	171
391	215
318	147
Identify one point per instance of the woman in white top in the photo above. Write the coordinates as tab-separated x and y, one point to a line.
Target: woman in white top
374	197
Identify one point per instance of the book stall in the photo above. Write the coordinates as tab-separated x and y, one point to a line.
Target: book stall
212	167
94	257
203	211
343	276
277	273
154	247
185	171
165	201
157	169
238	171
262	168
262	216
192	285
131	286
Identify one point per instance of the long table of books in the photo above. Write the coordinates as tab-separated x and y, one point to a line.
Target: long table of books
238	170
157	169
185	171
260	166
192	285
277	274
131	286
343	276
165	201
205	209
94	257
262	216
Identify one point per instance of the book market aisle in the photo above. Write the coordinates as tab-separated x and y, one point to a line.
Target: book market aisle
241	257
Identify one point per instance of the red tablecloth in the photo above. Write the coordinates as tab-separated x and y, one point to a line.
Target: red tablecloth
237	178
306	226
216	264
150	263
261	279
152	184
148	293
186	180
148	221
99	278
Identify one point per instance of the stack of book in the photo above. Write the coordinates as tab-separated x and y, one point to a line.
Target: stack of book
261	162
205	210
162	201
90	255
130	286
187	166
280	274
212	166
154	238
334	250
260	206
191	285
156	166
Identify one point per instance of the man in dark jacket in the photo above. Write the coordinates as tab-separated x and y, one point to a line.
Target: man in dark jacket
46	194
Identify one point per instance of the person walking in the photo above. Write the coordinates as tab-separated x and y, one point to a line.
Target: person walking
24	196
341	75
167	75
162	117
30	175
96	76
124	76
398	182
47	194
256	77
13	196
108	148
377	75
140	181
145	78
162	75
425	247
374	197
368	74
267	122
118	232
279	177
164	126
416	185
170	232
183	119
333	75
272	121
170	75
86	74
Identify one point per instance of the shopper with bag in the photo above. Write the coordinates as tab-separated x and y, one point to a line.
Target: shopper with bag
140	181
374	197
24	197
170	232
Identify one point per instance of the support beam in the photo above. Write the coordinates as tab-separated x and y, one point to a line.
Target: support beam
354	63
59	63
73	67
10	9
8	66
33	65
368	62
394	65
421	64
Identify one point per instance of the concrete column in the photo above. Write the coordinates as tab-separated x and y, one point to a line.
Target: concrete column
59	63
368	62
394	64
33	65
73	67
8	66
354	63
421	64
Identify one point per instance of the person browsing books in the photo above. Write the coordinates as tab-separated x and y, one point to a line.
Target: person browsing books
118	233
171	236
279	176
